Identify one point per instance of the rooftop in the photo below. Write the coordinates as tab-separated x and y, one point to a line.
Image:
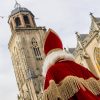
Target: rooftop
71	50
83	36
19	9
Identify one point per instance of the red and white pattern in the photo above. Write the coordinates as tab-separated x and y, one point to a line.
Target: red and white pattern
64	78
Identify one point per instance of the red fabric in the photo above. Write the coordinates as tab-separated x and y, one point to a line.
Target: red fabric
52	41
84	95
60	70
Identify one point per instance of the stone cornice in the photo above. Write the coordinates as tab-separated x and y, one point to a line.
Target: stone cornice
30	28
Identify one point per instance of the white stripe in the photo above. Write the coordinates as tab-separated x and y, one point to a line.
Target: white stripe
53	57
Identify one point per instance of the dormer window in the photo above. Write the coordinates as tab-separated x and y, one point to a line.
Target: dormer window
17	21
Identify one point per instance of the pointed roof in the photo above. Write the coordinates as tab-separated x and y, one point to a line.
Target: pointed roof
83	36
96	19
80	37
18	9
95	23
71	50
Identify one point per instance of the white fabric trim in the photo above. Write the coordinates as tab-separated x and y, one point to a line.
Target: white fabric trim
53	57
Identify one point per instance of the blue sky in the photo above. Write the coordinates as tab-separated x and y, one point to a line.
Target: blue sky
64	16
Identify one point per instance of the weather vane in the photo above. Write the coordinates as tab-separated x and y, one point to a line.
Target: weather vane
77	34
17	5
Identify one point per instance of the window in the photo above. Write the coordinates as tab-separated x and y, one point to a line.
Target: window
36	49
17	21
26	19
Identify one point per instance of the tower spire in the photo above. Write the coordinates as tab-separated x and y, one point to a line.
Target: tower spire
91	13
92	16
77	35
78	39
17	5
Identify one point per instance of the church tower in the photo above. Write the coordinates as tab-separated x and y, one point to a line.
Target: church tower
26	48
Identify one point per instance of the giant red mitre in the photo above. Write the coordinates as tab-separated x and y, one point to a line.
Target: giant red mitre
64	78
53	48
52	41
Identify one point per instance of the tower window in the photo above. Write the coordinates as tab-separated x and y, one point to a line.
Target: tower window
26	19
36	49
17	21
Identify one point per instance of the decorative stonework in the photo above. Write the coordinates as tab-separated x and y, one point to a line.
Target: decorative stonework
28	69
97	57
84	51
98	37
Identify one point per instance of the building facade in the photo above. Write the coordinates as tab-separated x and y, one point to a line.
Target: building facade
87	51
26	49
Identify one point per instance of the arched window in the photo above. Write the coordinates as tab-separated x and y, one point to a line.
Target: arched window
17	21
36	49
97	57
26	20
